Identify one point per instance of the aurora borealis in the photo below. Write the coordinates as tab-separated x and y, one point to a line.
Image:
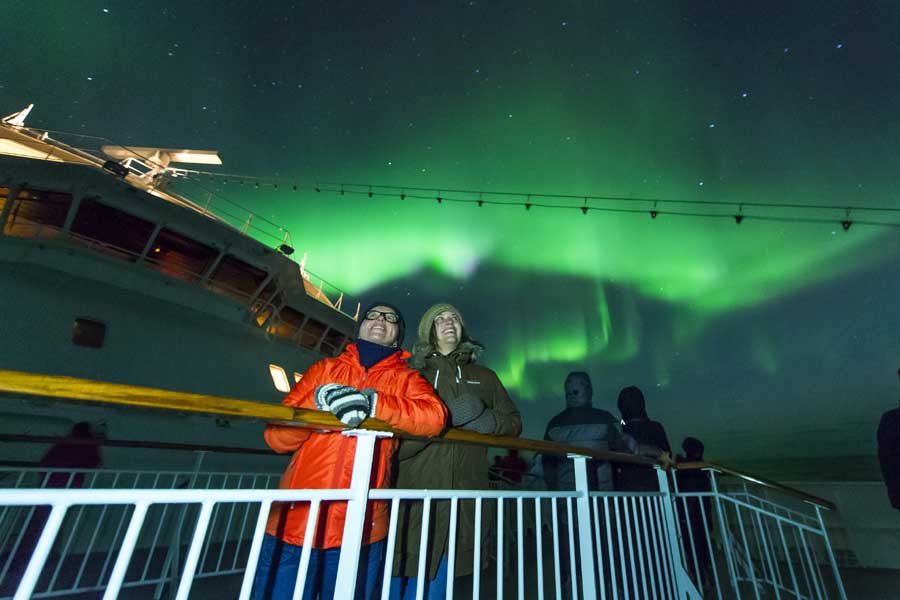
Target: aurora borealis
767	338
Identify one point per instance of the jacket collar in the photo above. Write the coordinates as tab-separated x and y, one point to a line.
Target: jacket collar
397	359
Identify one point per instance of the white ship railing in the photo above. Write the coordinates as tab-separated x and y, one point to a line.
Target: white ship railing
90	537
576	544
579	543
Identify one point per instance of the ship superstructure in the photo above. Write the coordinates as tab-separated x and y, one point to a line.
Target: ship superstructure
109	274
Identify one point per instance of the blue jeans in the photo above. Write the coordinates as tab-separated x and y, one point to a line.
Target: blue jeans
279	562
404	588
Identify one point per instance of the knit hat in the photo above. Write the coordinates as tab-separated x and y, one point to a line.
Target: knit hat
427	320
401	324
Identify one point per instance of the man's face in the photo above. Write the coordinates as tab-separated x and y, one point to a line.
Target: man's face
378	330
447	329
578	391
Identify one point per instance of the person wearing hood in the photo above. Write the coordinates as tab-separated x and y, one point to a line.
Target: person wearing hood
889	453
581	424
370	378
650	437
446	356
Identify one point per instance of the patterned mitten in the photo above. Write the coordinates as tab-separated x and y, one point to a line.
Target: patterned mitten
346	403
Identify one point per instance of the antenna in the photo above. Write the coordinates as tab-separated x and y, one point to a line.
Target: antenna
157	160
17	119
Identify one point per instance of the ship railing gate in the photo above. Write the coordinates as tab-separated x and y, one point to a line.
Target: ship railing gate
194	533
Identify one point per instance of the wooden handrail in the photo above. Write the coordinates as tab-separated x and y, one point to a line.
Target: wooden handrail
72	389
774	485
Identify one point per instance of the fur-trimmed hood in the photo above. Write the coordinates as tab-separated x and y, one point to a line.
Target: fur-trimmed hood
468	351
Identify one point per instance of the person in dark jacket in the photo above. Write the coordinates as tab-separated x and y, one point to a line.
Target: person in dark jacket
446	356
66	460
650	437
889	453
695	530
581	424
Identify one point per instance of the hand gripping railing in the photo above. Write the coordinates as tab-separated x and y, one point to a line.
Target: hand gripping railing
580	542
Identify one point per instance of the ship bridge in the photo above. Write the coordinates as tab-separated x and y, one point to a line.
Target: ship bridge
197	533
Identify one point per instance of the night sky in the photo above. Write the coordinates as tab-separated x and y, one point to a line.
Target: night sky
777	336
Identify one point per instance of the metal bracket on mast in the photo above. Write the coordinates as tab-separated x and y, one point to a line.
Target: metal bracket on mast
17	119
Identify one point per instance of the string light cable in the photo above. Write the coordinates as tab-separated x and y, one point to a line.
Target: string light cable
738	212
846	216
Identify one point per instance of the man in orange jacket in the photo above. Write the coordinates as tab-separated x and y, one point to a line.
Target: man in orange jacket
370	378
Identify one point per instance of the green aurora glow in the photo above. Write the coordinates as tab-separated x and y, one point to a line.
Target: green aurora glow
759	103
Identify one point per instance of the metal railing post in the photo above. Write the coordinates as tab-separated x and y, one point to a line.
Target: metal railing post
355	522
586	547
834	567
173	555
682	580
41	552
724	532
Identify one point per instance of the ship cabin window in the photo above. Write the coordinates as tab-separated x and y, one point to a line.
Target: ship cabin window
279	378
312	333
37	213
88	333
111	230
263	307
179	256
288	323
333	343
234	277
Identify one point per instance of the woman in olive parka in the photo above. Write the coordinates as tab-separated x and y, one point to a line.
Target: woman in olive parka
445	355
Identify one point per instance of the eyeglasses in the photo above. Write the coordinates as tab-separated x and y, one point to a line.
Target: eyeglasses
390	317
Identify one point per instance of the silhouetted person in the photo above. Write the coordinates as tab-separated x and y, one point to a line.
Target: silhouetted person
79	450
512	466
650	437
889	453
581	424
694	532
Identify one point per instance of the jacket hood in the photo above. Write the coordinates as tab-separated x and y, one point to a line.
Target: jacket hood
468	351
631	403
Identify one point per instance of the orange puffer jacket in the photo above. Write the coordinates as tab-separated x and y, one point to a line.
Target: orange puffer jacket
325	460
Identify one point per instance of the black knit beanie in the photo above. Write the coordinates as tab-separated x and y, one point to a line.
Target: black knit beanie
401	325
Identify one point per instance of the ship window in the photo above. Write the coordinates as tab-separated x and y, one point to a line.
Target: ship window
288	322
331	345
111	230
37	213
236	278
279	378
4	194
88	333
312	333
179	256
